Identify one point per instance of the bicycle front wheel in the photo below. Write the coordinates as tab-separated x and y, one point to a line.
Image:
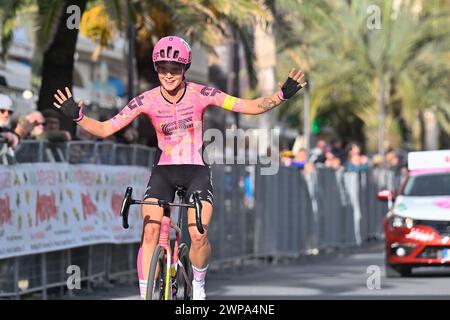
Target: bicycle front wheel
184	274
157	275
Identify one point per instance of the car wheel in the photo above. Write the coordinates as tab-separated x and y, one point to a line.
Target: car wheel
405	271
396	271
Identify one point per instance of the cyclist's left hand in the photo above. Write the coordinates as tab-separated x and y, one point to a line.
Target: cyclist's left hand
293	84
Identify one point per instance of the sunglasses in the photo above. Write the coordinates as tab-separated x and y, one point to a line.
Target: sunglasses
173	69
3	111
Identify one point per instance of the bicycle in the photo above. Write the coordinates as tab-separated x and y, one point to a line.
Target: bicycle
165	267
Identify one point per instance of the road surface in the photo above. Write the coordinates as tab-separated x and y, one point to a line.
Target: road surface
356	275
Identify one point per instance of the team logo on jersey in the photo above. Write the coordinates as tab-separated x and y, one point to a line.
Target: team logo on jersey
136	102
168	128
209	91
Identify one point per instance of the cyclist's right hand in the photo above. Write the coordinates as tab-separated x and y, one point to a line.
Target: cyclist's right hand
68	106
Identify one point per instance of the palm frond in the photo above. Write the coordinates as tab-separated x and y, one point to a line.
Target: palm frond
47	18
9	10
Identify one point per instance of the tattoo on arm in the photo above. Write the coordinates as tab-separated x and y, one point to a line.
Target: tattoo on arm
267	104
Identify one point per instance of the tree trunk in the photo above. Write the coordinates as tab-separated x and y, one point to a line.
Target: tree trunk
420	141
58	63
381	118
431	131
147	79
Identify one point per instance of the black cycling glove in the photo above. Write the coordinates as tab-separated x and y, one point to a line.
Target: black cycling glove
289	89
72	110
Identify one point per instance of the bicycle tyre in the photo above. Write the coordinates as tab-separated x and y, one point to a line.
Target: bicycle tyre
156	282
184	290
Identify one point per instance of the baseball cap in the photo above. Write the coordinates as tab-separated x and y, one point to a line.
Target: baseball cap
5	102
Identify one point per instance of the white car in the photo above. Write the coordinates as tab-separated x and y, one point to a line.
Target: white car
417	226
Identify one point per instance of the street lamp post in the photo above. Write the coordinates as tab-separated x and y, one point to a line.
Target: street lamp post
381	119
306	112
131	35
236	67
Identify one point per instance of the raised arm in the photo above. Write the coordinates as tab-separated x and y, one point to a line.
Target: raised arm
260	105
70	108
101	129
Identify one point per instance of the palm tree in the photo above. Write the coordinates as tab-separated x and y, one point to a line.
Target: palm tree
355	70
8	12
208	23
55	45
205	22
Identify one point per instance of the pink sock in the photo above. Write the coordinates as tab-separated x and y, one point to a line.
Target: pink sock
142	281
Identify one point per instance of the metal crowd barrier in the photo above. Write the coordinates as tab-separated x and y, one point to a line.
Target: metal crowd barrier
255	216
293	213
84	152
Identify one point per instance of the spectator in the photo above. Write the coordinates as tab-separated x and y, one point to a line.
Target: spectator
332	160
318	153
52	130
45	126
286	157
52	119
301	161
338	149
24	126
355	160
6	110
249	197
7	135
392	160
377	161
39	124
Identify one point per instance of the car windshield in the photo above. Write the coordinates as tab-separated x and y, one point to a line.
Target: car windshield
428	185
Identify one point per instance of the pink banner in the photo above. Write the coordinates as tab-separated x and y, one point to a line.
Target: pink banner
53	206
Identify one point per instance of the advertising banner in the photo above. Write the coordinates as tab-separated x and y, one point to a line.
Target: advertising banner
53	206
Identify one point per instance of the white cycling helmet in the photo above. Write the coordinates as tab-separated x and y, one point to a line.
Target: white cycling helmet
5	102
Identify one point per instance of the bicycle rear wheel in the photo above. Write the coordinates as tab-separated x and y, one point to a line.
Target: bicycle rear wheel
184	279
157	275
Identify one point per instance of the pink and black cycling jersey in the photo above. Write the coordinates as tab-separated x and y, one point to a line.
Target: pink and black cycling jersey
179	126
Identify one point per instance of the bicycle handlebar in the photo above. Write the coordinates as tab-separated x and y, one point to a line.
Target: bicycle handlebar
128	201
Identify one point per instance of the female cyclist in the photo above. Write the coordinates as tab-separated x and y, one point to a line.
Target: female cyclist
176	110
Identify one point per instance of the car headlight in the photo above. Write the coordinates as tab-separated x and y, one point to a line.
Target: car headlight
402	222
